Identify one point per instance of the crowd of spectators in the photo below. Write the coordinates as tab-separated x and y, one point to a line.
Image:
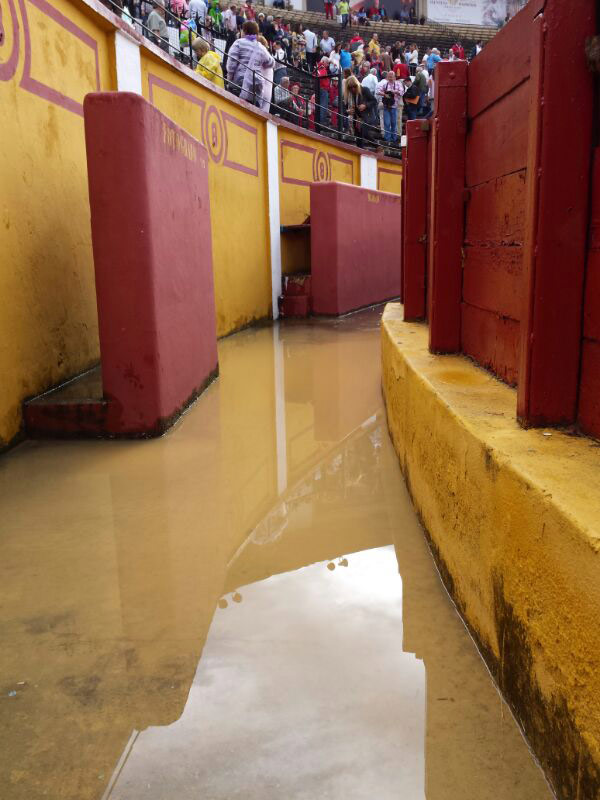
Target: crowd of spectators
359	87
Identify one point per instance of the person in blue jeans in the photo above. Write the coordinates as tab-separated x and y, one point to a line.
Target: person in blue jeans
390	91
324	85
412	99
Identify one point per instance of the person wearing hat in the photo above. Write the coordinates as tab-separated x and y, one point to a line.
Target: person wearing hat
209	65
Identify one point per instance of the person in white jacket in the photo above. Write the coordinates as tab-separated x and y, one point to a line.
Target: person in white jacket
247	59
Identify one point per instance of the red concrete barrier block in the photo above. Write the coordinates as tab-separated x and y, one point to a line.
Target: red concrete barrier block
355	247
151	234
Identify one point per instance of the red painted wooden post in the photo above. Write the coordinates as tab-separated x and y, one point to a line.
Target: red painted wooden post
446	231
558	173
403	220
414	240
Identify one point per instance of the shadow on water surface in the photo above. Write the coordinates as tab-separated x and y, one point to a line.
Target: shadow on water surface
246	607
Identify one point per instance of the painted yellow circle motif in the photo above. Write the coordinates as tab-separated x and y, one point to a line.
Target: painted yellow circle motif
9	41
320	167
214	134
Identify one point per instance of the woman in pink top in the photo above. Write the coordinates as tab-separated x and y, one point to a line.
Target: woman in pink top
179	8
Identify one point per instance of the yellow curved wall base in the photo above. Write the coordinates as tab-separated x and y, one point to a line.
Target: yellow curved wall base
513	518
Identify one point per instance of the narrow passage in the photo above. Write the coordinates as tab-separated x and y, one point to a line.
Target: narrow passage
244	608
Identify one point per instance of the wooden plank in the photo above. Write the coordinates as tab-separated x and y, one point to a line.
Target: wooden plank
492	279
403	220
496	211
591	314
446	231
504	63
492	340
589	391
415	220
558	210
497	140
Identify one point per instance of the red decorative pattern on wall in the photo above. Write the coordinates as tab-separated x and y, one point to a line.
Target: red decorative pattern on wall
8	65
228	162
321	163
37	87
213	126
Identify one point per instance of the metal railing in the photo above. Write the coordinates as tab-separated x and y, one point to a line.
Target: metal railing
346	127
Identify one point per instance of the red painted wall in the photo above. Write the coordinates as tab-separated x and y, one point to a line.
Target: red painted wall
148	184
355	247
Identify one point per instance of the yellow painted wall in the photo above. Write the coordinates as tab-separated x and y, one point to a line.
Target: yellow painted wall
304	159
48	327
53	52
238	188
513	517
389	177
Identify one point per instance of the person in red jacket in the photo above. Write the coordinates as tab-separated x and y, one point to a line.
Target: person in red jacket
328	9
401	70
355	42
324	86
458	51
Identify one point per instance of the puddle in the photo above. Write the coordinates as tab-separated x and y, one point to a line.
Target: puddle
243	608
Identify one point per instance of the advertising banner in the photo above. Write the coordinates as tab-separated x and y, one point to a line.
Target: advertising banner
467	12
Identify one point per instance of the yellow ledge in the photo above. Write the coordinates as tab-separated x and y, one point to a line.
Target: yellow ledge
513	520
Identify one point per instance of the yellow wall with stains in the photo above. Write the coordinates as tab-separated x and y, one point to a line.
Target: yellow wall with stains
52	53
48	327
516	537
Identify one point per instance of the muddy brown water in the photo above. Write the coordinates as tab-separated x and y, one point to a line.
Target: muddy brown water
243	608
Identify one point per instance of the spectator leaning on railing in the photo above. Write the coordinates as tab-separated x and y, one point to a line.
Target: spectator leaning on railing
247	58
253	68
209	65
282	99
362	109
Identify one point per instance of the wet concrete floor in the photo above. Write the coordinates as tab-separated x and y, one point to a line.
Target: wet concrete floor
243	608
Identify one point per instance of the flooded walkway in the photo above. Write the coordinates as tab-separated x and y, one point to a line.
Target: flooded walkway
243	608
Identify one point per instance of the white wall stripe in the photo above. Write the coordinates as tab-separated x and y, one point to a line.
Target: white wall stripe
128	63
274	213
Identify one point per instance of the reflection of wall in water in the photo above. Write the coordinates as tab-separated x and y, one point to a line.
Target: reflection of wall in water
332	390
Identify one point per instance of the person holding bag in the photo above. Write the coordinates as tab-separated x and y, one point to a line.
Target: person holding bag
390	90
411	99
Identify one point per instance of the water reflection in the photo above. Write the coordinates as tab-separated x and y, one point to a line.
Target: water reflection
304	692
121	560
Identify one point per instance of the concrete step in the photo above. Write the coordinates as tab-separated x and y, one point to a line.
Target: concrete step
76	408
295	299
